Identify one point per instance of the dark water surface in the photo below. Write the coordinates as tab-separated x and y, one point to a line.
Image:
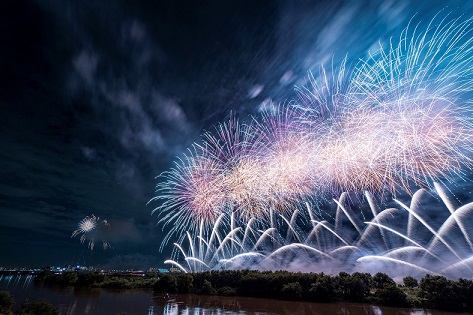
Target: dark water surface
78	301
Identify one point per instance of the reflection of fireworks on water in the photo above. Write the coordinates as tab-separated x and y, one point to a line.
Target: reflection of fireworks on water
90	229
400	119
401	241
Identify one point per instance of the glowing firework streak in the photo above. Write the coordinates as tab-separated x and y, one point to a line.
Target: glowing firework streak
244	255
298	245
350	250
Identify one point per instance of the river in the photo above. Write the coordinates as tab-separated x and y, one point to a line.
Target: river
92	301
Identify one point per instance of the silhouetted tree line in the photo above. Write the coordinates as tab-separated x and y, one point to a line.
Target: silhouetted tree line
431	292
26	308
95	279
435	292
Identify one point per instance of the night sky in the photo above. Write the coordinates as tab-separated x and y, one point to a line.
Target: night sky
97	98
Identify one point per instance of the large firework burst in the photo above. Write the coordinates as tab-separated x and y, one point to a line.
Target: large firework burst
399	119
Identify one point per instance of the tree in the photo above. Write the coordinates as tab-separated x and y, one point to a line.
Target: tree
207	288
185	283
151	274
45	276
410	282
391	295
363	285
381	279
68	278
339	282
352	287
323	290
441	293
292	291
166	283
465	288
365	277
89	278
6	302
249	285
37	308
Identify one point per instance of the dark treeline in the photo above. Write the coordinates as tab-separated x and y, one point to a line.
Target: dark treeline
431	292
26	308
435	292
96	280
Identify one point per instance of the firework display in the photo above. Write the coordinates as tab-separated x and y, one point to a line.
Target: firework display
92	229
398	120
401	240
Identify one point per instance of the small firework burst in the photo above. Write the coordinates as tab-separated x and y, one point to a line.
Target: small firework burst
91	229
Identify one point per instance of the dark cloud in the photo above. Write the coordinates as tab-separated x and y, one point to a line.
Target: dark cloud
125	231
131	261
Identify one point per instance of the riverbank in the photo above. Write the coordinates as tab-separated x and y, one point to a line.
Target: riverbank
435	292
83	300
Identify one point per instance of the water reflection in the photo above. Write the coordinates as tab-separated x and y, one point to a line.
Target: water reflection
13	281
214	305
81	301
91	301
